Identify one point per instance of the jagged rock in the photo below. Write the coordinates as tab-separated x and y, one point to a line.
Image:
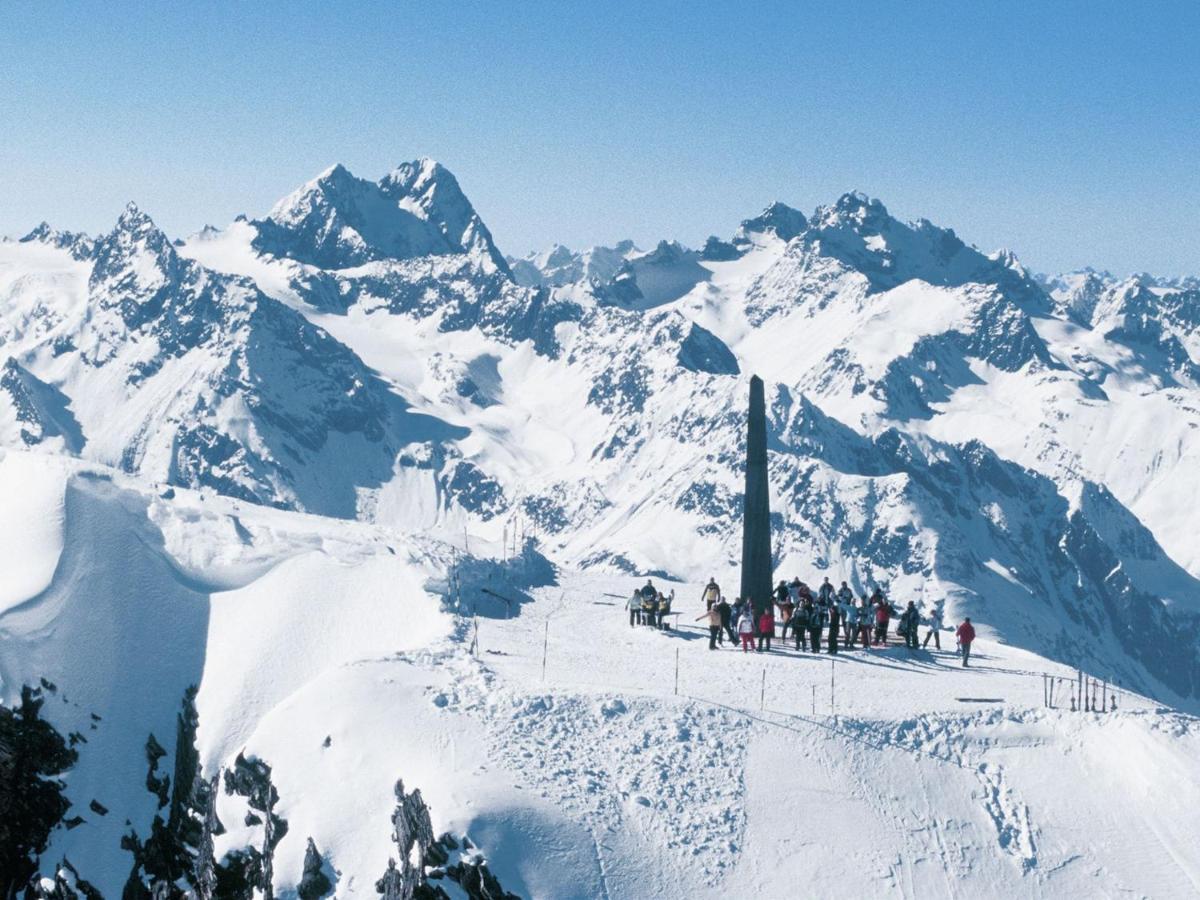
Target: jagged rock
314	883
32	757
178	849
251	778
66	885
756	525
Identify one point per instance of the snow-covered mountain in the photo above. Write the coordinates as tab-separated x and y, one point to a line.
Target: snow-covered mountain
941	422
561	266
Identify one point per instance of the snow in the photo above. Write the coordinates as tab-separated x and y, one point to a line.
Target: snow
599	777
938	425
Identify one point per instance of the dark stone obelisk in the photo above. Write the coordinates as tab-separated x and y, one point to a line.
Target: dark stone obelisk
756	510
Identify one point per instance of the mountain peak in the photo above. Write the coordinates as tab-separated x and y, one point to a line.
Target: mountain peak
779	219
136	259
338	220
133	219
79	245
39	232
854	209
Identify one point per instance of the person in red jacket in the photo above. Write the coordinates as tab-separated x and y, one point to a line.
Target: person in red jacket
966	634
766	627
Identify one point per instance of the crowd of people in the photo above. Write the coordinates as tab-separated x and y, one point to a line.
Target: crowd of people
650	606
831	617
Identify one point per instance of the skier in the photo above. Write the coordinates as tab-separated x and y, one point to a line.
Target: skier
714	625
800	625
745	628
966	634
844	607
712	593
909	622
794	590
826	592
766	628
664	609
649	608
835	623
865	615
726	617
635	609
935	627
815	621
882	615
850	614
739	611
845	594
783	600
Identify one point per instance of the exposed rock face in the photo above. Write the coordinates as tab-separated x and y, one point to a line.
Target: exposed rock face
423	859
178	848
253	869
314	883
33	756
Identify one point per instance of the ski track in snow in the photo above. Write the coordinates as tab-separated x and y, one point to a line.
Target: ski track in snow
618	764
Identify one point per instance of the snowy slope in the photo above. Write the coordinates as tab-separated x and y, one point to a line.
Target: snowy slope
326	649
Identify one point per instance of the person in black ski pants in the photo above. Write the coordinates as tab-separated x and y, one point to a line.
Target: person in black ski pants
835	624
726	622
814	626
800	626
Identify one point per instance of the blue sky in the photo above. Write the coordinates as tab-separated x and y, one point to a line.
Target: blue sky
1069	132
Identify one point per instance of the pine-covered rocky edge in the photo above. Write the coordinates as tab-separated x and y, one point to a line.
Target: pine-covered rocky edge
173	858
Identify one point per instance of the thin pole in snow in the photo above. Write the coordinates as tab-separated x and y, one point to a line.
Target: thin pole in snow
676	671
545	646
762	697
475	636
814	687
1104	696
832	688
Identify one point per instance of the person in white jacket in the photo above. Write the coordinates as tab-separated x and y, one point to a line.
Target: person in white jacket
935	627
746	631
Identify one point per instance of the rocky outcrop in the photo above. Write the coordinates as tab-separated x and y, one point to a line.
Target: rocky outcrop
34	757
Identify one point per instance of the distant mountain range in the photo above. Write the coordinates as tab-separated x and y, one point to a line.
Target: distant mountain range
942	420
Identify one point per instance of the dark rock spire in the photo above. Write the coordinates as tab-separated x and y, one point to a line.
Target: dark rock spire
756	512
